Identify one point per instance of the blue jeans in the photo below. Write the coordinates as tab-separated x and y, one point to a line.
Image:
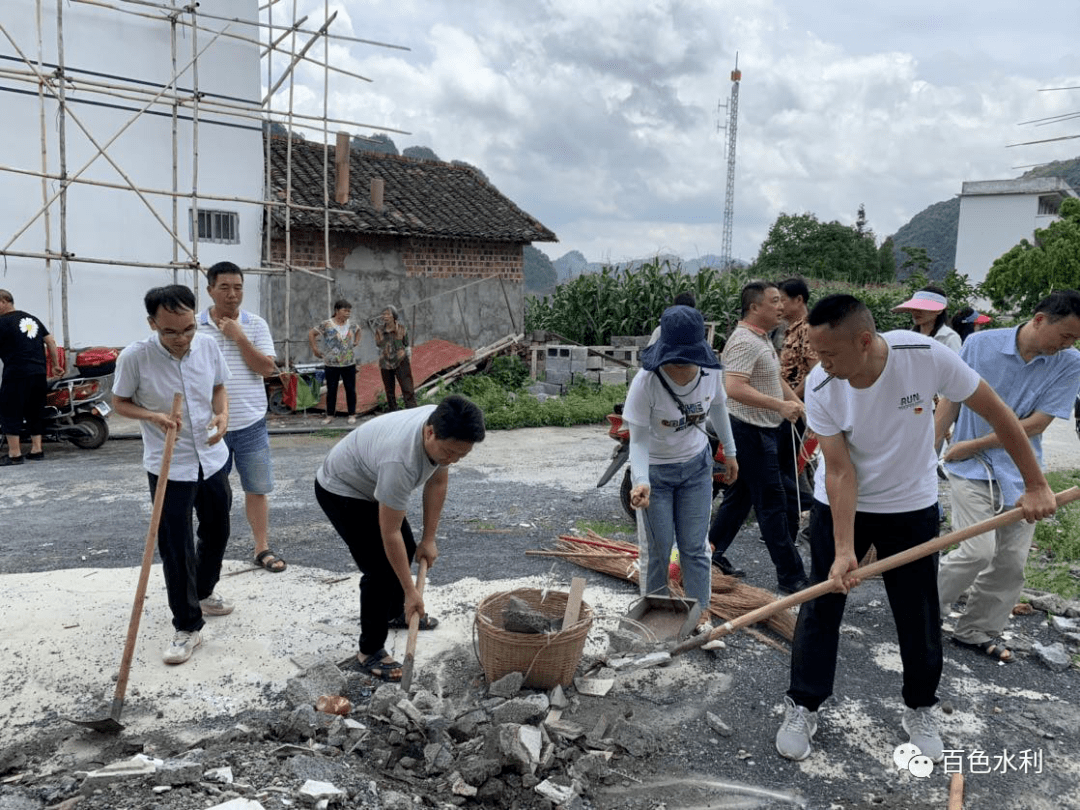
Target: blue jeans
759	485
913	598
680	498
250	447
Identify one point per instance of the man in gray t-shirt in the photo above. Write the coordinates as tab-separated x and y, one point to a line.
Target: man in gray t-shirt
364	485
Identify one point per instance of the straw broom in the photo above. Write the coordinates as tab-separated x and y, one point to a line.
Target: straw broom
730	598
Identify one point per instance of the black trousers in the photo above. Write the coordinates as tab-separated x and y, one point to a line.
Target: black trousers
912	592
347	376
192	569
760	486
402	374
381	595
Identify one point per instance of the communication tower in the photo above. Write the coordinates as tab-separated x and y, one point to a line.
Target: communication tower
729	193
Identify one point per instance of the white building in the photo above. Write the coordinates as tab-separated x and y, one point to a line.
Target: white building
996	214
119	67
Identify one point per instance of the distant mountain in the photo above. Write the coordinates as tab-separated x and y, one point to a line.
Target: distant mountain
574	264
934	228
540	275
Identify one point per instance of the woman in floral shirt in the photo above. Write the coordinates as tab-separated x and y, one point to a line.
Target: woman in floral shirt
392	338
338	338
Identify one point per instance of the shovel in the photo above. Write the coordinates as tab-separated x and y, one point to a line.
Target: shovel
111	724
414	629
865	572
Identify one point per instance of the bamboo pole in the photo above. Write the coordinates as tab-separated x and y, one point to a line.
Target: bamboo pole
268	183
259	24
288	212
296	58
175	149
194	157
89	136
138	94
44	169
206	29
61	128
273	45
91	161
326	165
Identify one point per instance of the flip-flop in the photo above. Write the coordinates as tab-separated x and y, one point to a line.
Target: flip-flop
426	623
376	667
272	565
993	650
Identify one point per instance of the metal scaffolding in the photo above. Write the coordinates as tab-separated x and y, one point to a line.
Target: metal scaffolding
56	85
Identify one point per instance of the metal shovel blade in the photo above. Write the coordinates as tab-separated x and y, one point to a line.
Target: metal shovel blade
106	725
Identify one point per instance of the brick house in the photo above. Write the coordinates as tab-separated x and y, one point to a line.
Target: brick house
434	239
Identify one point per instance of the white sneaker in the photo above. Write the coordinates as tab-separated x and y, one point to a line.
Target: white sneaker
181	647
796	732
214	605
922	732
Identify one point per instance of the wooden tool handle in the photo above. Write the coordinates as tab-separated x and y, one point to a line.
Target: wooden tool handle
886	564
148	558
414	629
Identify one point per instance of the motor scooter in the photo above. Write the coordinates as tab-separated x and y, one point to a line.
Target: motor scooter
620	432
75	411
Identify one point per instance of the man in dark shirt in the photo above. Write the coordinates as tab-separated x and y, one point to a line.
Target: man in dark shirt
23	342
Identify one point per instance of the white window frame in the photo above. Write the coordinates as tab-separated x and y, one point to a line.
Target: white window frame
220	227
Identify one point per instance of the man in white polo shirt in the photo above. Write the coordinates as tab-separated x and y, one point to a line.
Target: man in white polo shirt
244	338
176	359
870	401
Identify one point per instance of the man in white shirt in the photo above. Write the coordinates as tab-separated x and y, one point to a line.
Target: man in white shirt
245	341
177	359
870	401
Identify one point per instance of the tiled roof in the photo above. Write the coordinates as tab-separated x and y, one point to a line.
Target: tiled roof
420	197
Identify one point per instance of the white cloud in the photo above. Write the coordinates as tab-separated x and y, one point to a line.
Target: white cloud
600	118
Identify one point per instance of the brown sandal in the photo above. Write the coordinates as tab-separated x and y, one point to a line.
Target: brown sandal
991	649
376	667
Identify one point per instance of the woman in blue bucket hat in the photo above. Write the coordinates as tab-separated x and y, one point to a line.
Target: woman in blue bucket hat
679	390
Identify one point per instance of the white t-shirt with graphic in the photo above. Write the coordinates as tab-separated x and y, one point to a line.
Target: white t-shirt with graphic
673	438
889	427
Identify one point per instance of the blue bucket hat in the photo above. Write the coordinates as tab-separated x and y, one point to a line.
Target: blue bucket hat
682	340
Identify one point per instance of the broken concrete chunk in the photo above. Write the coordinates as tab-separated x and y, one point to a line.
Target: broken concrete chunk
437	757
222	776
718	725
634	739
301	724
519	617
519	747
466	726
557	698
387	695
592	764
178	772
459	787
507	686
406	707
238	804
323	678
393	800
596	685
1064	625
135	768
314	791
554	792
526	710
633	662
1053	655
476	770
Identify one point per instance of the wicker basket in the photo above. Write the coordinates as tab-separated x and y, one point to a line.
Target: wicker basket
547	659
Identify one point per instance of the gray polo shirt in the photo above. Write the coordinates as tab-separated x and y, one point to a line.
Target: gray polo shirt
382	460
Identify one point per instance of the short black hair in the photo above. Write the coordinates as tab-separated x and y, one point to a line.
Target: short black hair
836	310
173	297
458	418
685	299
1059	304
752	293
6	296
341	303
222	269
795	288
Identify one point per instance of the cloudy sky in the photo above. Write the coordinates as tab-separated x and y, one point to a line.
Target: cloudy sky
600	117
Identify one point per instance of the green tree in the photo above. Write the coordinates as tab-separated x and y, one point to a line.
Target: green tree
1029	272
916	263
887	260
801	245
